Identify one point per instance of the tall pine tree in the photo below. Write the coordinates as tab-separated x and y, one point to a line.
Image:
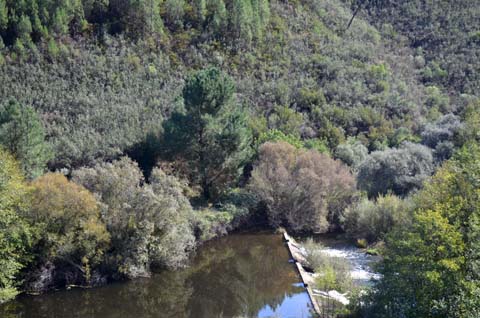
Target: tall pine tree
22	134
212	134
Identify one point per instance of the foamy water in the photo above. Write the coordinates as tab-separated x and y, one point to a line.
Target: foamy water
361	263
361	270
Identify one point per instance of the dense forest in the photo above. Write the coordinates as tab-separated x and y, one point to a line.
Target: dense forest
132	131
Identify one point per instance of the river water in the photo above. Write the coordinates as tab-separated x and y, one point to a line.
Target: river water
361	264
240	275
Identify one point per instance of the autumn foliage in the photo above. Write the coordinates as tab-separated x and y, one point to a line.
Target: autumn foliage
301	189
68	216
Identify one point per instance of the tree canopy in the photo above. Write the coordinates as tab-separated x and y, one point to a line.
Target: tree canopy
400	170
232	110
16	234
301	189
431	267
72	233
149	224
22	133
212	135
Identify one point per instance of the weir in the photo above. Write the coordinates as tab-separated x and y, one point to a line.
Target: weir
298	258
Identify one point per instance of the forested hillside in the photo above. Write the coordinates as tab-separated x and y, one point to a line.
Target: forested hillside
134	130
102	77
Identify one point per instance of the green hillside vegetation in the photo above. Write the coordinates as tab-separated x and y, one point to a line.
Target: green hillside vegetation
131	131
353	83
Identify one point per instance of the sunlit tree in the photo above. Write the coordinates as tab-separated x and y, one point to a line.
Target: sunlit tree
16	234
430	268
72	232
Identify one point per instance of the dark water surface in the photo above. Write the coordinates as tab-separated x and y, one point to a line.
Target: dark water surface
241	275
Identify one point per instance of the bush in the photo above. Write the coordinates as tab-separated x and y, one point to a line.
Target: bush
211	223
73	236
286	120
372	220
430	268
149	223
361	243
400	170
333	272
274	135
442	136
352	153
302	190
232	211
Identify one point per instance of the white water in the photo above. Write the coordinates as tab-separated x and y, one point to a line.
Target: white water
361	263
361	270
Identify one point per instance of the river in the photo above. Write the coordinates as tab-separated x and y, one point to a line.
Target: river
240	275
361	264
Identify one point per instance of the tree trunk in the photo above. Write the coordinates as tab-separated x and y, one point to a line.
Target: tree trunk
353	16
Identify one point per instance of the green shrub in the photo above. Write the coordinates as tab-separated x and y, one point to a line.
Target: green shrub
333	272
369	221
150	224
211	223
274	135
399	170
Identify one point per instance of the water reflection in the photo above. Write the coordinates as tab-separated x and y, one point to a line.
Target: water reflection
242	275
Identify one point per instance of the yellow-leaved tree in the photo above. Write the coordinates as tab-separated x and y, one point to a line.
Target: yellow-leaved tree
15	233
74	238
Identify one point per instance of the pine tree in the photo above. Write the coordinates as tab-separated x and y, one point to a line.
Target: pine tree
24	28
174	10
38	29
22	133
217	16
264	12
151	17
257	25
212	134
241	21
264	9
60	21
261	16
